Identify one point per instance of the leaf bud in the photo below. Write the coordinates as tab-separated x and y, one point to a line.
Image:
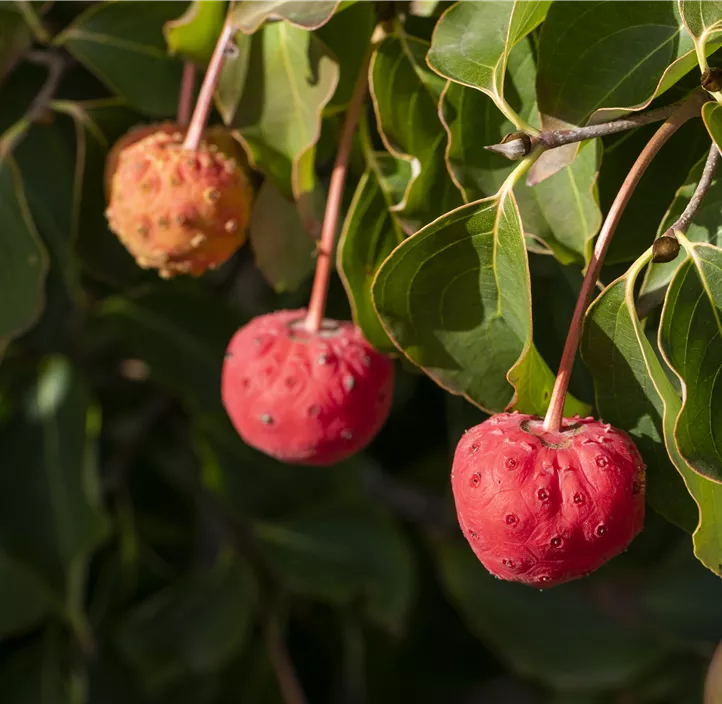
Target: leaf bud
712	79
665	249
514	146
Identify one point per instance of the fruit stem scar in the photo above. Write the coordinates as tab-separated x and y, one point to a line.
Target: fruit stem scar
689	109
569	431
205	97
319	292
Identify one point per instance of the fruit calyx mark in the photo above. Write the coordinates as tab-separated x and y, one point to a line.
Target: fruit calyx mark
569	430
300	333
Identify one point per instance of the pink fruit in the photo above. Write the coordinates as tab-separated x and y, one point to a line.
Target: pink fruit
177	210
305	397
544	508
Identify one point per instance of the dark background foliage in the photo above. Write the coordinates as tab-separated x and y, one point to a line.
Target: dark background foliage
146	554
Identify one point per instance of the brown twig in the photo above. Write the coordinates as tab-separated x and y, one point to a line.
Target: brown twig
185	99
205	96
689	109
319	292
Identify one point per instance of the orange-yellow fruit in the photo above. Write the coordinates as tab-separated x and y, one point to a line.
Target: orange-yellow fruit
176	210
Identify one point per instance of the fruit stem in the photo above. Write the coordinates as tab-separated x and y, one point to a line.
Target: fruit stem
185	99
205	96
319	292
688	110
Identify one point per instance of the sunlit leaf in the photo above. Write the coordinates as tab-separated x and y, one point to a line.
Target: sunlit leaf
455	299
406	95
195	33
712	116
307	14
703	20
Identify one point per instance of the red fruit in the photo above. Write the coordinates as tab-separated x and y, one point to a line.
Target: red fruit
177	210
305	397
544	508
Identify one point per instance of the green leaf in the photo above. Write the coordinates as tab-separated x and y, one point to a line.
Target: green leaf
15	39
195	33
619	355
544	635
702	20
562	210
22	600
691	337
180	333
34	673
600	60
49	472
472	42
633	350
283	249
369	235
24	262
455	299
406	96
340	553
712	117
706	226
123	45
306	14
279	114
191	627
232	80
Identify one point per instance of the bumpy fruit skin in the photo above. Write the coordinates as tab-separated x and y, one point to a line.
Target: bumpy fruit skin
545	508
301	397
176	210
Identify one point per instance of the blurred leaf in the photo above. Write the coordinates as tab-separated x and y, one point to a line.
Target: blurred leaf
49	473
193	626
123	45
562	210
461	286
283	249
655	191
33	673
713	683
306	14
232	80
577	80
370	233
348	35
24	262
545	635
180	333
656	398
195	33
341	553
406	96
712	116
706	226
22	601
473	40
619	356
690	336
15	39
289	80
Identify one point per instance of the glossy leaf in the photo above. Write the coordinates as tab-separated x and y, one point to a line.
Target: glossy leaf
472	42
706	226
579	80
195	33
24	263
563	209
15	39
341	553
369	235
123	45
691	338
49	472
460	286
193	626
180	333
279	114
306	14
655	399
618	354
406	95
712	116
544	635
283	249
